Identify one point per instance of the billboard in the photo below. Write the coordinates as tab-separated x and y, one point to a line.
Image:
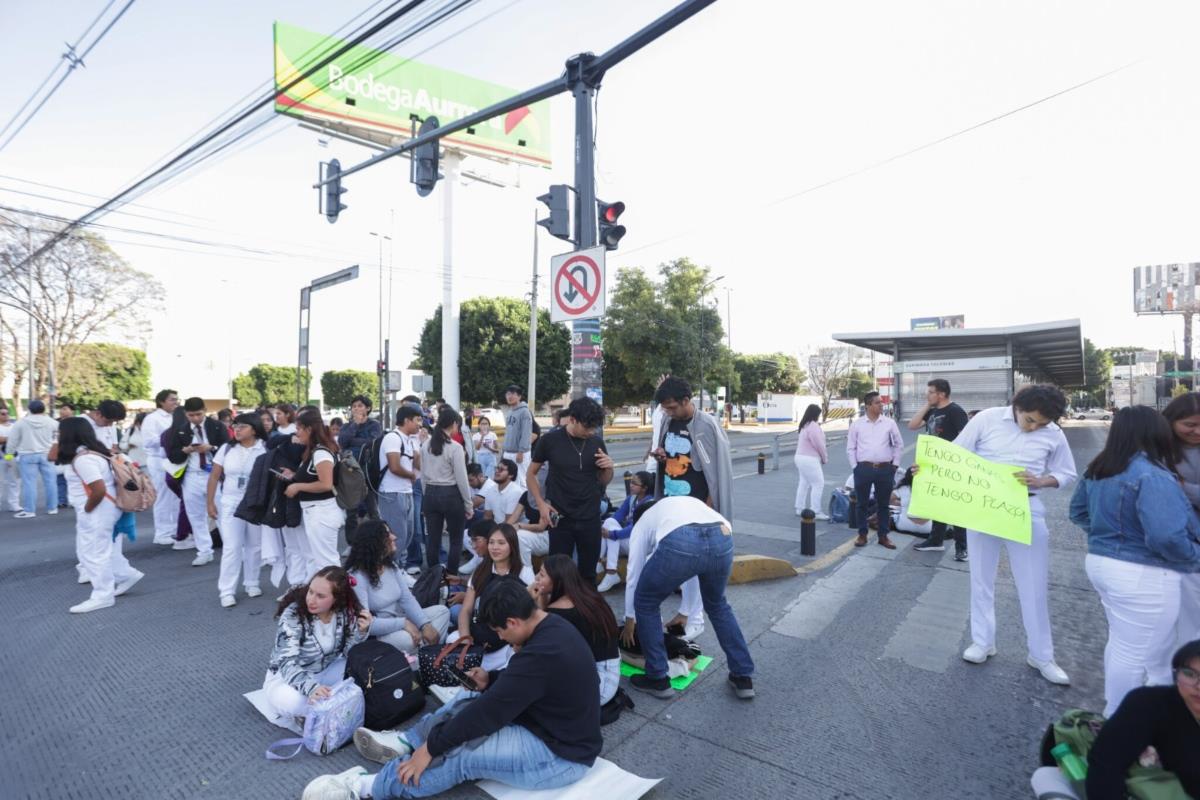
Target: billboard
1166	289
937	323
370	90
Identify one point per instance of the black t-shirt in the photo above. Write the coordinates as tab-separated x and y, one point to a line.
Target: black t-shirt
531	510
1148	716
946	423
680	476
573	485
602	649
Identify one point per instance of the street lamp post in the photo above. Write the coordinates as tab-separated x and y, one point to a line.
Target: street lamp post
382	354
324	282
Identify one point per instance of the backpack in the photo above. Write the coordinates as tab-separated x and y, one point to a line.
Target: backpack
349	482
610	712
839	507
330	722
389	687
370	460
428	588
135	492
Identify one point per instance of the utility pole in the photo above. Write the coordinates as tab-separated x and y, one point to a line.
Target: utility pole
587	366
531	389
450	319
32	380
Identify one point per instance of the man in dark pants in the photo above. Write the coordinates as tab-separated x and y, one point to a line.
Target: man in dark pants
580	468
356	434
944	419
873	447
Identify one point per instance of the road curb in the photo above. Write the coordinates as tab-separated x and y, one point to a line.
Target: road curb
751	568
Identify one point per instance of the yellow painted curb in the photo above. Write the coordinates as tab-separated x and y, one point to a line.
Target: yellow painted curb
750	568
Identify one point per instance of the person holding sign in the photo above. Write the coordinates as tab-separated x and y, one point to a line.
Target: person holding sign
1023	434
873	447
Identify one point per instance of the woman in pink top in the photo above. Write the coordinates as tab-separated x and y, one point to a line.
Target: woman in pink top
810	455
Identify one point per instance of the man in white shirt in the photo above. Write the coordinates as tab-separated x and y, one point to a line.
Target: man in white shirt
103	417
698	542
166	503
10	478
399	464
1023	434
206	436
483	492
506	491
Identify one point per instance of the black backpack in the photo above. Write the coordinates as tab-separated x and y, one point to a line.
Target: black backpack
428	588
369	456
389	686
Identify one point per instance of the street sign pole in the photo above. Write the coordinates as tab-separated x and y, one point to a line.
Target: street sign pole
586	363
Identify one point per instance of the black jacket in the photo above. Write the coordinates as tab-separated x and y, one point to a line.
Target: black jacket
265	502
180	436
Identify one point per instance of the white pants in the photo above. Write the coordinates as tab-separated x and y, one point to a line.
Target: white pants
166	504
1049	782
10	485
812	483
610	678
195	503
102	558
611	551
1030	567
323	519
287	701
1142	605
241	552
692	604
1187	629
521	467
532	544
439	618
296	555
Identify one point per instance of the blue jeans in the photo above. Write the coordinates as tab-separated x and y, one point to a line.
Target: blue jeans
31	466
691	550
416	539
395	508
881	478
511	755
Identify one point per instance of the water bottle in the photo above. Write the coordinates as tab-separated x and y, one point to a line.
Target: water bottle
1070	762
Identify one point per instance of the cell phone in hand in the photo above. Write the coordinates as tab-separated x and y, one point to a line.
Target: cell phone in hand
279	475
466	680
555	517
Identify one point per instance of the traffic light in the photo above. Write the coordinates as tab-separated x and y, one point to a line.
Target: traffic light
610	232
381	367
558	200
424	167
332	191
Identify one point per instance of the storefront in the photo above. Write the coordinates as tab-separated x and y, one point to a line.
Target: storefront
983	365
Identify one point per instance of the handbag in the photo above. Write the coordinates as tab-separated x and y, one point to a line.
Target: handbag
330	723
432	662
390	690
428	588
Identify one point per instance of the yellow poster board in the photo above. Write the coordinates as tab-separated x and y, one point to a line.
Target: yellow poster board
956	486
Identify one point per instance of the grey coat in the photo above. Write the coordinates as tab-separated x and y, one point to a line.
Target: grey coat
714	461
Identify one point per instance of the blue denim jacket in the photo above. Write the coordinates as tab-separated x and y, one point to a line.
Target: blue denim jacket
1141	516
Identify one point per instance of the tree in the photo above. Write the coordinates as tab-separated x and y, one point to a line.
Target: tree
266	384
339	387
666	327
771	372
90	373
1097	373
81	290
494	350
828	369
856	384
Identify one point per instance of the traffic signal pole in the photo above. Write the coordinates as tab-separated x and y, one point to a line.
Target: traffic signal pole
587	365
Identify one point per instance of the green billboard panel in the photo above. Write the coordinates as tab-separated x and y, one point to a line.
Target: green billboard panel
369	89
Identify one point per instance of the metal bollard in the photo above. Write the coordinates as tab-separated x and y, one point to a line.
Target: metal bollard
808	532
762	463
628	477
852	515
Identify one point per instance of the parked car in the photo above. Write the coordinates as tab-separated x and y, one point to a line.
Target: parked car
1091	413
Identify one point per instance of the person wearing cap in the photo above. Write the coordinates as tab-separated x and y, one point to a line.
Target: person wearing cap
31	439
197	443
518	431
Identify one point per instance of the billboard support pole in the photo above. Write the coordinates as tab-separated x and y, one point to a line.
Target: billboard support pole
450	321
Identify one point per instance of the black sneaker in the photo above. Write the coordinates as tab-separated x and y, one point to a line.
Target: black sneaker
928	546
659	687
960	555
743	687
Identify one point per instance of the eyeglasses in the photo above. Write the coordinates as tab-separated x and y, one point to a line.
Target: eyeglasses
1189	676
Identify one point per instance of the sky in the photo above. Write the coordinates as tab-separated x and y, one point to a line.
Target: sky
758	138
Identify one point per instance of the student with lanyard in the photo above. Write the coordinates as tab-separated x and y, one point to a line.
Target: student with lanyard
312	485
241	549
580	468
91	489
196	442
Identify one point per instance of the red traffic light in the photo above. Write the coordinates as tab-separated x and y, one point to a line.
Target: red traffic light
611	211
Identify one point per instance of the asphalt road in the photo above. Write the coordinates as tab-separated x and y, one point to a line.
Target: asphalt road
861	691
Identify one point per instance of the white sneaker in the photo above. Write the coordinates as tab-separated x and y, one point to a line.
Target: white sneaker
83	578
228	601
127	584
24	515
822	517
692	632
186	544
343	786
413	570
381	746
1050	671
91	605
610	580
977	654
202	559
253	591
52	511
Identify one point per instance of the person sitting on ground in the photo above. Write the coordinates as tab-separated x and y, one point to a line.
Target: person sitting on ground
560	589
901	497
397	617
533	530
483	492
535	725
457	584
616	529
317	624
502	562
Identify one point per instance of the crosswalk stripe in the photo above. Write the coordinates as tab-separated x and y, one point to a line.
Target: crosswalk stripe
930	635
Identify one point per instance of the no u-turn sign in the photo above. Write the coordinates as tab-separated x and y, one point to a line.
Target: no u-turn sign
577	285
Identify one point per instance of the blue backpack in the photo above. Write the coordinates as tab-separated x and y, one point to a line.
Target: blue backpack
839	507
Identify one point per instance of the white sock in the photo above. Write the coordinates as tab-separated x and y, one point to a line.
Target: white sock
366	785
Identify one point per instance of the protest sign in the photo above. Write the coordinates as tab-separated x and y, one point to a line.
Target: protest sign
958	487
